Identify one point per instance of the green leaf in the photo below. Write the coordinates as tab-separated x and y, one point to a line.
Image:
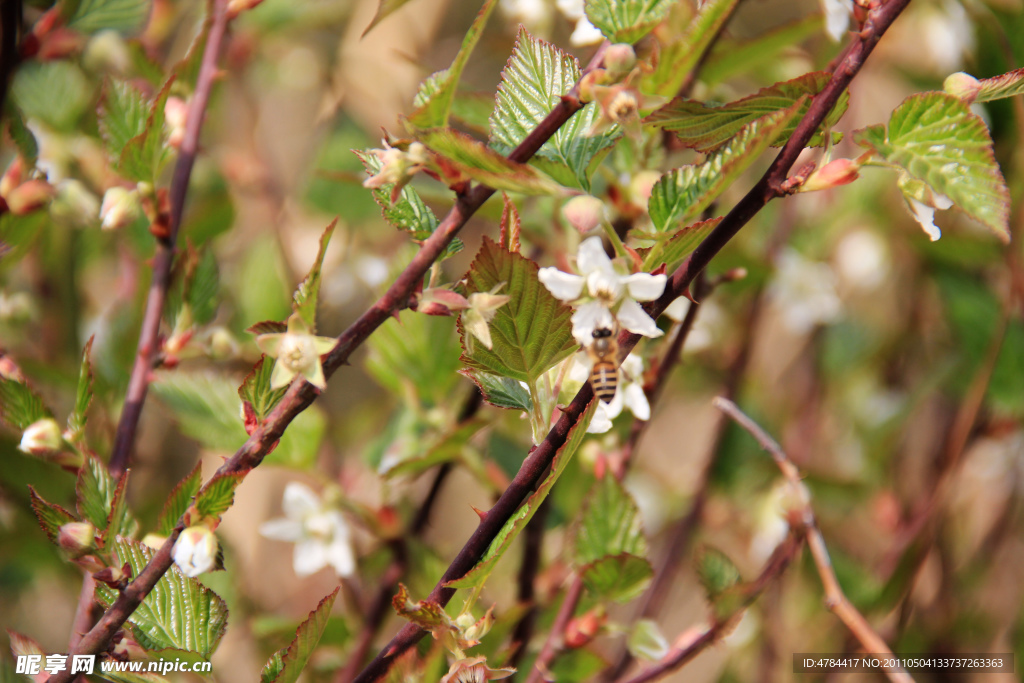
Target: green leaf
19	405
309	289
408	213
682	194
179	612
501	392
610	524
484	165
731	57
255	391
83	397
678	246
132	128
617	577
677	60
532	84
179	500
518	521
434	100
972	90
125	16
431	452
417	356
646	641
219	493
51	517
531	333
286	664
473	110
22	137
935	138
716	572
101	500
704	128
55	92
198	286
626	21
120	521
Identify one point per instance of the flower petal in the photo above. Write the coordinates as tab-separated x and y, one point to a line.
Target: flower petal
341	557
579	371
635	319
644	286
600	423
636	401
477	326
564	286
589	317
633	366
314	374
324	344
591	257
614	408
282	529
309	558
299	501
282	375
270	343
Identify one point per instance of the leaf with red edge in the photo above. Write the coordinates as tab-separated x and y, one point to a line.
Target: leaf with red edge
677	247
179	500
19	405
51	516
510	225
308	291
120	521
83	397
267	327
214	499
255	391
286	664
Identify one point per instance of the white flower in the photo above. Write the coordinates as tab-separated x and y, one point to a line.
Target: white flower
297	352
320	533
195	551
925	214
483	306
42	436
805	291
837	17
708	328
585	33
862	260
629	393
603	295
120	208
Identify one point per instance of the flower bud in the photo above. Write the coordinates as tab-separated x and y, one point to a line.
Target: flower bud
175	117
964	86
115	577
222	343
236	7
74	204
41	437
619	58
77	538
154	541
597	77
106	51
584	212
29	196
582	629
640	187
121	207
195	551
833	174
13	176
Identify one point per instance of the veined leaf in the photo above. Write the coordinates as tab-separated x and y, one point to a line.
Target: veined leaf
179	612
973	90
432	451
309	289
120	521
518	521
680	57
501	392
731	57
19	405
255	390
679	246
22	137
486	166
51	516
286	665
219	493
704	128
626	21
935	138
416	355
533	82
530	333
617	577
124	16
179	500
685	192
196	284
434	101
83	397
101	501
55	92
132	127
717	573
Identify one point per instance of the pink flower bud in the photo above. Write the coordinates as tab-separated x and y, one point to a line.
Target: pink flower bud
584	212
833	174
175	117
120	208
964	86
77	538
582	629
619	58
29	196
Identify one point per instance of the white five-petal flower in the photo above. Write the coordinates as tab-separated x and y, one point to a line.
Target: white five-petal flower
320	533
297	352
603	295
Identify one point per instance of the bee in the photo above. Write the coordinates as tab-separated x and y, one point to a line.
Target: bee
604	374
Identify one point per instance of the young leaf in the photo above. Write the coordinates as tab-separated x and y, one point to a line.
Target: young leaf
704	128
83	397
717	573
133	130
510	225
218	494
626	21
309	289
530	333
416	355
19	405
484	165
21	136
197	284
101	500
444	448
533	82
685	192
936	139
434	100
286	664
55	92
120	521
255	391
677	60
179	500
501	392
179	612
677	247
51	517
143	156
617	577
429	616
610	524
731	57
124	16
517	522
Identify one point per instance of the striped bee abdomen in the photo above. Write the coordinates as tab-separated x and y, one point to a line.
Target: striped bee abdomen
604	378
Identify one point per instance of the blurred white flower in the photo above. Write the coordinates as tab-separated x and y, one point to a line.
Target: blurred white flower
629	393
837	17
195	551
599	290
862	259
805	292
535	15
925	214
947	34
585	33
320	533
707	328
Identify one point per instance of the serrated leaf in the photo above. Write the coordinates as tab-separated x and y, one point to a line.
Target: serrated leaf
682	194
731	57
677	60
120	521
267	327
417	356
143	156
716	572
132	128
626	21
255	389
429	453
935	138
201	284
22	137
704	128
484	165
531	333
619	578
678	246
610	524
286	664
219	493
501	392
309	289
55	92
51	516
179	500
83	397
532	84
518	521
124	16
101	500
179	612
434	101
19	405
472	110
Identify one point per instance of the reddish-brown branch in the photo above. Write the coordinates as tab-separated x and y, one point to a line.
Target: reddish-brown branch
565	613
533	543
163	261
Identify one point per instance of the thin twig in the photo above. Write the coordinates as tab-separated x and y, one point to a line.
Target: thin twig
533	543
163	260
540	671
835	599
